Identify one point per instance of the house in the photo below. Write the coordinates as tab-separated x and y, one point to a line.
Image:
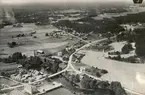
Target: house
133	45
59	54
40	52
82	69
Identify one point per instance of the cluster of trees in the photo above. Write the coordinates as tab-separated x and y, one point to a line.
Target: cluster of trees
54	66
140	39
90	83
46	34
137	36
34	36
20	35
114	53
96	71
14	58
36	63
90	24
74	78
1	26
12	44
131	18
131	59
126	48
129	36
8	73
33	62
39	17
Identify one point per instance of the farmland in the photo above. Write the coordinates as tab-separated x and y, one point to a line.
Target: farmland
29	43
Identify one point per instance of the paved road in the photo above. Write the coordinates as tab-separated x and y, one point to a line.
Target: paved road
10	88
71	56
78	38
77	71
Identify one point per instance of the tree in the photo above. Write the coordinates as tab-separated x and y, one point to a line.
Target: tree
77	78
54	67
16	56
3	73
85	82
138	1
117	88
103	84
140	39
23	62
46	34
34	36
35	62
98	74
127	48
12	44
104	71
93	84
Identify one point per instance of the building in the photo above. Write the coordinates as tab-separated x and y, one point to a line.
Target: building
59	54
40	51
30	89
82	69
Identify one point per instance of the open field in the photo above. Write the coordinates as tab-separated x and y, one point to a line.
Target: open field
29	44
4	66
8	82
131	76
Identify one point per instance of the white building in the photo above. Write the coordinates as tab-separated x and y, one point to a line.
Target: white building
82	69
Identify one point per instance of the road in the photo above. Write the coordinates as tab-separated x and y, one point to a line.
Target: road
10	88
77	71
71	56
78	38
70	62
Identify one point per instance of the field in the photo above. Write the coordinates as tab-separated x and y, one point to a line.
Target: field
8	82
29	43
4	66
131	76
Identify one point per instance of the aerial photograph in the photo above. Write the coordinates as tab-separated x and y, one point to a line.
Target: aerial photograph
72	47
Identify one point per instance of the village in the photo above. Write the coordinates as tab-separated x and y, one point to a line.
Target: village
72	51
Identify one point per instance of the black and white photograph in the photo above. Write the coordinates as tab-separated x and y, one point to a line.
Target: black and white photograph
72	47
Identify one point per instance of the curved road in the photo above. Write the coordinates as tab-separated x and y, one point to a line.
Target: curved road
77	71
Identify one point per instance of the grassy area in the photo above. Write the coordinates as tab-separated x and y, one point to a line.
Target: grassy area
4	66
8	82
28	43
